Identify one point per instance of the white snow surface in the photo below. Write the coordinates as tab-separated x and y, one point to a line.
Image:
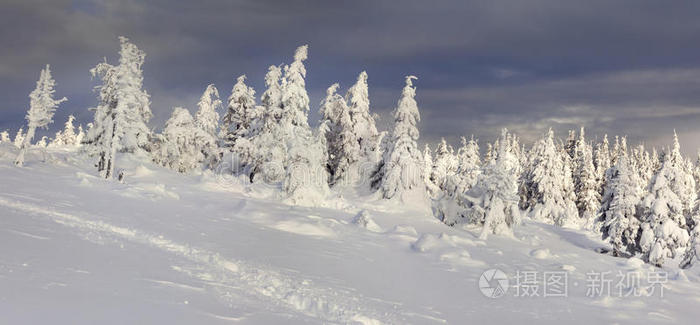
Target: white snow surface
166	248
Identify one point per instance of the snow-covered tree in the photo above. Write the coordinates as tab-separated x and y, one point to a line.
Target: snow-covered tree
343	147
550	185
433	189
585	183
42	106
619	218
19	138
207	116
664	233
363	123
683	183
602	162
403	166
444	165
5	136
241	112
43	142
123	109
493	201
67	137
180	146
468	168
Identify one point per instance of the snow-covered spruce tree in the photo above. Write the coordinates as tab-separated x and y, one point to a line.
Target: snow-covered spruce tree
180	146
241	112
433	190
67	137
123	110
468	168
585	183
207	116
683	183
343	147
263	156
664	233
363	125
43	142
403	165
19	137
207	120
5	137
493	201
618	210
42	106
602	162
551	197
305	179
444	165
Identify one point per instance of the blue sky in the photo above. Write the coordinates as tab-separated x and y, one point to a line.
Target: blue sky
618	67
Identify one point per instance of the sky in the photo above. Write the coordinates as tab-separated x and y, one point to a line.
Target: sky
617	67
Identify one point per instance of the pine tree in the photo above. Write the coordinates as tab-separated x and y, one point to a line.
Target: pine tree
550	185
67	137
5	136
181	146
123	109
602	162
363	123
19	138
664	232
241	112
493	201
585	183
444	165
402	167
343	148
207	116
619	218
433	189
469	168
42	106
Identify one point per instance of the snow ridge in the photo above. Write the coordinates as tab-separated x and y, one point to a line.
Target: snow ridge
262	282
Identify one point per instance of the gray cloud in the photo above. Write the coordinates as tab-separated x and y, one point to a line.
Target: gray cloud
627	67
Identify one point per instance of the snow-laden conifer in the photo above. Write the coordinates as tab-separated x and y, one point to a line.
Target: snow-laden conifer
42	106
180	147
123	109
618	211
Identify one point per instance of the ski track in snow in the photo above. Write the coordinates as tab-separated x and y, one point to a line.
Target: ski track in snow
292	293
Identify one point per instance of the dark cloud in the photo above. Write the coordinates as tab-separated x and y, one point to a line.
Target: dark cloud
627	67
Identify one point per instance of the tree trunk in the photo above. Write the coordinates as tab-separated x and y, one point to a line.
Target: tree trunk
26	142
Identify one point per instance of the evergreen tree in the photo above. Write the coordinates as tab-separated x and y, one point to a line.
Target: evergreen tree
363	123
551	197
343	148
585	183
207	116
403	165
620	223
664	232
5	136
19	137
469	168
123	109
180	147
67	137
433	189
241	112
444	165
42	106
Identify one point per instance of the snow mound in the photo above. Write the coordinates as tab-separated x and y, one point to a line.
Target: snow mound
150	191
364	220
541	253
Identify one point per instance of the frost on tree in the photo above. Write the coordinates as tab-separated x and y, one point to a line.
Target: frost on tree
67	137
343	147
123	109
468	168
444	165
5	136
19	138
207	116
585	182
664	230
402	169
241	112
549	185
42	106
618	211
207	120
493	201
363	125
180	147
433	189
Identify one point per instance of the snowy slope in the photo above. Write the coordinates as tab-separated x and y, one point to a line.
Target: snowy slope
168	248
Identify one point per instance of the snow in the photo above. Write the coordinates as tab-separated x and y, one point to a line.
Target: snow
164	247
